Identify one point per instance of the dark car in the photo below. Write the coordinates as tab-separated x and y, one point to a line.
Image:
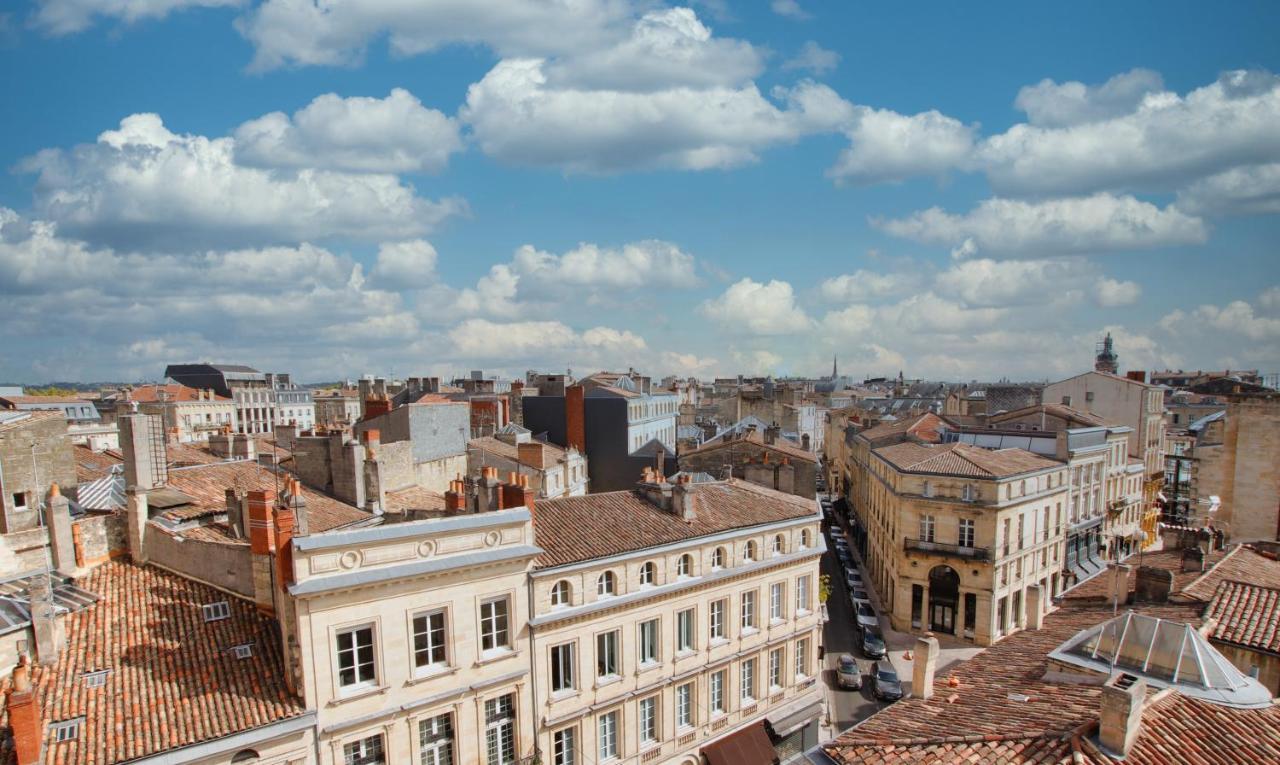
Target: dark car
848	676
885	682
873	643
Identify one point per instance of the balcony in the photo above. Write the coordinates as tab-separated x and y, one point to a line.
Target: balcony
942	548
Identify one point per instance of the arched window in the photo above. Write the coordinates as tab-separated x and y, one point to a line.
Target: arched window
804	539
648	574
561	594
749	551
684	566
779	545
717	559
605	584
245	755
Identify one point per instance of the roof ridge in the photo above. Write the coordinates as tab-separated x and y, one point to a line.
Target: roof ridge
1213	568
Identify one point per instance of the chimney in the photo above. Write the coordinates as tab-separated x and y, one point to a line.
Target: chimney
49	631
682	501
235	514
285	522
455	499
261	546
143	451
376	406
575	418
24	716
488	493
922	668
1035	607
785	476
532	453
1120	720
298	502
1119	591
57	518
375	498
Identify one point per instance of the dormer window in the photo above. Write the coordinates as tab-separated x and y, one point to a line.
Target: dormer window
684	566
67	730
218	611
96	679
749	552
717	559
561	594
605	585
967	495
779	544
648	574
244	651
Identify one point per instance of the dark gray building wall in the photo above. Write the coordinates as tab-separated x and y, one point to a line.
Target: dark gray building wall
610	465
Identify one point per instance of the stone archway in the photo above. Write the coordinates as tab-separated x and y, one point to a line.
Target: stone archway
944	599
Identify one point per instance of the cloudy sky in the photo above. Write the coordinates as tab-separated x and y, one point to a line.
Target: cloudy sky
331	187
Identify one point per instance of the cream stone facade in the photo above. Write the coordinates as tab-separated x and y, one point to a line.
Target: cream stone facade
1234	460
656	669
1122	401
414	636
957	551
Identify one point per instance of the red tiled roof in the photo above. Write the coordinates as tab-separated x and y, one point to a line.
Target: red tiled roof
1048	749
1061	411
37	400
151	393
572	529
1246	615
1242	564
414	498
32	416
1099	587
501	448
963	460
207	486
91	465
926	427
173	680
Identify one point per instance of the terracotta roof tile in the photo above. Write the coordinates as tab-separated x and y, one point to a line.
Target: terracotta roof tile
782	446
963	459
1247	615
414	498
511	451
1242	564
172	679
572	529
925	427
152	393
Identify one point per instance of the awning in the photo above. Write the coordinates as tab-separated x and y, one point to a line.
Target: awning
749	746
791	723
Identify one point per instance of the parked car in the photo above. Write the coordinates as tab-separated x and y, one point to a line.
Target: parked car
885	682
859	595
873	643
848	676
854	580
866	617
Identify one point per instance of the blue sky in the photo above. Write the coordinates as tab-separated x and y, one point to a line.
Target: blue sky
958	191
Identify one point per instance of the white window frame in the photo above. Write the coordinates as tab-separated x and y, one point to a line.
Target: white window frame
359	751
684	566
564	746
562	594
436	740
647	720
562	660
607	736
494	729
749	552
360	683
715	692
498	646
802	594
648	574
802	658
747	611
607	647
777	657
686	630
968	530
747	680
606	585
684	706
648	640
432	648
717	559
716	619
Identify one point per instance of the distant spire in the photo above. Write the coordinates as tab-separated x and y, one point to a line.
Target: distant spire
1106	360
834	374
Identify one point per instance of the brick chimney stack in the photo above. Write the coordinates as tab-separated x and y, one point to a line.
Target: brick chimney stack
376	406
57	518
262	544
24	716
575	417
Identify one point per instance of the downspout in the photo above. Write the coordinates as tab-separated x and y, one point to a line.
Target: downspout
533	668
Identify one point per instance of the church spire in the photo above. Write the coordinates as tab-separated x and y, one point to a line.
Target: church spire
834	375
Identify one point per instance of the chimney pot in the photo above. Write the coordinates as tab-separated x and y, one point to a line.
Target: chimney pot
1120	721
922	669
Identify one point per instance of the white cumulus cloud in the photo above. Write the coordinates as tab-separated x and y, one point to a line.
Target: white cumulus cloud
1071	226
62	17
1053	104
1111	293
756	308
814	58
396	134
887	147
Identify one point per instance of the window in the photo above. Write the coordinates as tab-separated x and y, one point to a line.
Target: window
967	494
716	621
779	545
717	559
429	640
776	607
648	642
684	630
684	705
20	501
716	691
748	677
96	679
927	524
564	747
605	585
927	490
1008	535
748	612
648	720
1022	528
494	632
66	730
775	668
684	566
242	651
216	611
355	658
648	574
802	593
802	657
562	668
561	594
749	552
500	730
607	654
966	533
608	735
805	539
435	740
366	751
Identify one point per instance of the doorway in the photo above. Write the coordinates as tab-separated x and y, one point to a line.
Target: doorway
944	596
